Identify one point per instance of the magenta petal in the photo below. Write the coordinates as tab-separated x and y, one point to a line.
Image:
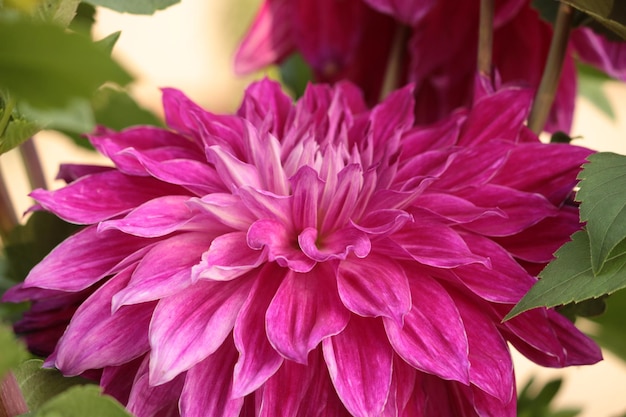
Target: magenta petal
305	310
335	246
117	381
228	257
189	326
157	217
265	103
579	348
150	400
101	196
283	394
258	360
208	385
402	388
491	368
164	270
227	209
373	287
409	12
232	171
96	338
438	245
592	48
306	186
359	361
79	262
433	337
281	245
383	222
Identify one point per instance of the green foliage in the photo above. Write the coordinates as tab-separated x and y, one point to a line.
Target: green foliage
603	206
13	351
75	116
46	66
28	244
39	385
59	11
534	402
80	401
134	6
295	74
611	13
590	83
14	128
610	329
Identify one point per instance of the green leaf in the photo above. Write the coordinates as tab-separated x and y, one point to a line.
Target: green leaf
17	131
47	66
76	116
134	6
84	19
28	244
603	205
13	351
109	42
295	74
610	329
611	13
570	278
59	11
39	385
536	402
81	401
590	83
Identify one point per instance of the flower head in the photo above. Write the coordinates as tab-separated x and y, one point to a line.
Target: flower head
315	258
440	55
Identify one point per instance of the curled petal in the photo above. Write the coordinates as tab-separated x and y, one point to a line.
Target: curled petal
335	246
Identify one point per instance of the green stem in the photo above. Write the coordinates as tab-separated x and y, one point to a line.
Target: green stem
8	218
31	160
552	71
485	37
12	401
9	105
395	61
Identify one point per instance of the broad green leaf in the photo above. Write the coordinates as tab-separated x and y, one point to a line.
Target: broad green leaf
611	13
13	351
533	401
17	131
603	204
610	328
76	116
28	244
109	42
46	66
590	83
570	278
59	11
81	401
84	19
134	6
39	385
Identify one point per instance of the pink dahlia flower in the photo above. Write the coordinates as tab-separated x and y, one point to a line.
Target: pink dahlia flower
352	41
309	259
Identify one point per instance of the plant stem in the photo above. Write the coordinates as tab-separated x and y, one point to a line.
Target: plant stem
12	401
552	71
31	160
485	37
8	218
395	61
9	105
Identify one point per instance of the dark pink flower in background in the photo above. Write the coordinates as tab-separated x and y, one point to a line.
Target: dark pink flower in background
440	55
317	258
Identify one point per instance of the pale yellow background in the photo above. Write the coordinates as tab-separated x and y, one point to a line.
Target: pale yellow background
185	47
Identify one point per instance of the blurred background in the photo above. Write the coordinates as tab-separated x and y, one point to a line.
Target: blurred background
190	47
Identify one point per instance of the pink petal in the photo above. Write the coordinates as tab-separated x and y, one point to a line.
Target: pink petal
265	204
359	361
233	172
269	39
339	208
608	56
280	243
228	257
305	310
402	387
306	186
383	222
334	246
164	270
96	338
227	209
72	172
204	315
157	217
373	287
78	262
117	381
408	12
147	399
284	393
101	196
208	386
264	103
433	337
436	245
258	360
457	209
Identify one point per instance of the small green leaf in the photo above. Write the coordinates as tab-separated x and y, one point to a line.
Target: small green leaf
134	6
603	204
590	83
13	351
81	401
39	385
76	116
610	328
43	64
59	11
611	13
570	278
109	42
84	19
560	137
295	74
18	130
